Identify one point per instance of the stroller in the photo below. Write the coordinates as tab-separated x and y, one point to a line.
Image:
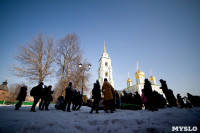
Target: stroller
60	103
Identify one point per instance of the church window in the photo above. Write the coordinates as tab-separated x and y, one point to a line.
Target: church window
106	64
106	74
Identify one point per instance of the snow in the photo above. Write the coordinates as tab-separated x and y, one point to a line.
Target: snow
122	121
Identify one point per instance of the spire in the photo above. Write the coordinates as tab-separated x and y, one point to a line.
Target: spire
104	47
128	75
137	66
150	72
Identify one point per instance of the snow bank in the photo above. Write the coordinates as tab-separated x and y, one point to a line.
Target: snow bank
128	121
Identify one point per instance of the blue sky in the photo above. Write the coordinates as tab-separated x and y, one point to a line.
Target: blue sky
161	35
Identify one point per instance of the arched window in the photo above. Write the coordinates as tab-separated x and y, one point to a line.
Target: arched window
106	64
106	74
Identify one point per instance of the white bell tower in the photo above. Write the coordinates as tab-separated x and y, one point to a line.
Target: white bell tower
105	68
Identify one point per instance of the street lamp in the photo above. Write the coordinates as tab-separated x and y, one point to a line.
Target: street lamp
84	69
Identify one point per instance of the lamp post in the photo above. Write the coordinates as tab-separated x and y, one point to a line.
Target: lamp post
84	69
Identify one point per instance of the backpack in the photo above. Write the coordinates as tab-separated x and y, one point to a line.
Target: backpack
32	92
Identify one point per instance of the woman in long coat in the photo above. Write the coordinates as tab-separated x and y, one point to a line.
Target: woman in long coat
21	97
108	91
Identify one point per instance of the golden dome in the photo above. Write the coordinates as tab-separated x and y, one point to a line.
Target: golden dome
129	80
139	74
152	78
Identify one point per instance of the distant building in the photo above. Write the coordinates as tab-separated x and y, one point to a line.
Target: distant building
140	77
4	92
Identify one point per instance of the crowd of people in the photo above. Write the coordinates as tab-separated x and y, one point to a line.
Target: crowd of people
149	99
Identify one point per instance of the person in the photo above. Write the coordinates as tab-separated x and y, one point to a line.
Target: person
117	100
148	94
79	101
168	93
108	91
180	101
96	95
21	96
47	97
75	99
36	92
194	100
138	100
42	97
68	97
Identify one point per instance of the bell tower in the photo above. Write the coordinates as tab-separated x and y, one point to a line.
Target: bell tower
105	68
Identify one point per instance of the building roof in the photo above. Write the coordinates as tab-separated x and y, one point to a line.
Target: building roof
4	86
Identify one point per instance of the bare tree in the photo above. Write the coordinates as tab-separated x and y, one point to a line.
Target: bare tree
68	58
36	59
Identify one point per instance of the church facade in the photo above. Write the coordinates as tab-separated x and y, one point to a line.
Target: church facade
140	77
105	68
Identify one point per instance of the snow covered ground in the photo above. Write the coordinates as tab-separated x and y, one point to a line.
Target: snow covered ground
122	121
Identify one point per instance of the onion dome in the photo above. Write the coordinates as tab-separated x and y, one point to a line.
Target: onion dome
129	80
152	78
139	74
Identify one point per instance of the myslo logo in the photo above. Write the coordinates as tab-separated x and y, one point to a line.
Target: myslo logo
184	128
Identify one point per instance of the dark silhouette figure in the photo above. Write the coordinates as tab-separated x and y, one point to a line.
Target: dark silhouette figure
160	100
47	97
172	98
144	98
75	99
68	97
195	100
21	96
60	103
148	93
42	98
130	98
125	97
96	95
79	101
187	102
180	101
137	100
168	94
117	100
36	92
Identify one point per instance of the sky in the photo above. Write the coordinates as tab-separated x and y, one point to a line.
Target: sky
162	36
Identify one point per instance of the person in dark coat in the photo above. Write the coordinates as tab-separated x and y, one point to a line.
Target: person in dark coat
117	98
42	98
138	100
168	94
96	95
68	97
79	101
195	100
148	93
47	97
75	99
36	92
180	101
21	96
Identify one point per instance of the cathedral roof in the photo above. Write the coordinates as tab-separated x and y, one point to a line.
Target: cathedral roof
139	74
152	78
129	80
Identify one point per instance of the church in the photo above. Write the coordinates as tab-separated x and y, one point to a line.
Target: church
105	68
105	71
140	77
